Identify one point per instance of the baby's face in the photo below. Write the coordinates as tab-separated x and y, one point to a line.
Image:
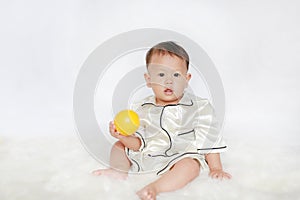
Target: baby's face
167	76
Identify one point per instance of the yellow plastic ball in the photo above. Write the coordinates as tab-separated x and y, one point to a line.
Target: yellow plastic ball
127	122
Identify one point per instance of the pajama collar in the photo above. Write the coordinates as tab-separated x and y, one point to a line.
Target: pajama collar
185	100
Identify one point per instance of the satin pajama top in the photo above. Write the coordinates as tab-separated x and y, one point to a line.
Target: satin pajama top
173	132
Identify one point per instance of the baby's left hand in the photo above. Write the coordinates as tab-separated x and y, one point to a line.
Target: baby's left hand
219	174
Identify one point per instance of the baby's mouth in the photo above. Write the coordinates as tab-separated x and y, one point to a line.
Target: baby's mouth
168	91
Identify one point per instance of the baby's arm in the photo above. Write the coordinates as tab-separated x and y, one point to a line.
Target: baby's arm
131	142
215	166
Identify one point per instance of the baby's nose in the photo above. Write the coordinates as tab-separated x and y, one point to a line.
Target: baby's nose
169	80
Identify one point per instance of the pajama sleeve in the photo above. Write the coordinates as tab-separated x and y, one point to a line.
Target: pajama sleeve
207	131
140	132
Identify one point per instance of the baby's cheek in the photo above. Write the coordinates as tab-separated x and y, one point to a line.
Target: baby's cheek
179	87
158	80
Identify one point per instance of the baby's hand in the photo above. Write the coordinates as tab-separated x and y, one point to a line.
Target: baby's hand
219	174
113	131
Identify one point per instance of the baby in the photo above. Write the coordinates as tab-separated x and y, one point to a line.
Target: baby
178	135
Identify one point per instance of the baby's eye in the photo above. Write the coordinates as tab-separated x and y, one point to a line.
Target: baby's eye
176	74
161	74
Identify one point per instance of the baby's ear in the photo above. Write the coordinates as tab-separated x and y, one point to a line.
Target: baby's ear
188	77
147	79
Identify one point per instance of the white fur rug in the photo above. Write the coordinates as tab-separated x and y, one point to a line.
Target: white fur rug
58	167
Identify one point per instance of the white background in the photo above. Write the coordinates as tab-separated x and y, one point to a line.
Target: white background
254	45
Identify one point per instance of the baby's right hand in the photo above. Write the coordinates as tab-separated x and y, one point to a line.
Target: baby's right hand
113	131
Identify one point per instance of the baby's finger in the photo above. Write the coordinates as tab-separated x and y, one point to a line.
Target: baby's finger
111	124
115	134
112	127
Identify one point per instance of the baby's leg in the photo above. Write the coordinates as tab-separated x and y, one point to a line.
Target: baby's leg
183	172
119	163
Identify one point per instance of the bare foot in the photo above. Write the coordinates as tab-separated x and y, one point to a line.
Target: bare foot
147	193
111	173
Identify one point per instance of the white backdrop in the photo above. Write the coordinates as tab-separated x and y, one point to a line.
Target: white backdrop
254	45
